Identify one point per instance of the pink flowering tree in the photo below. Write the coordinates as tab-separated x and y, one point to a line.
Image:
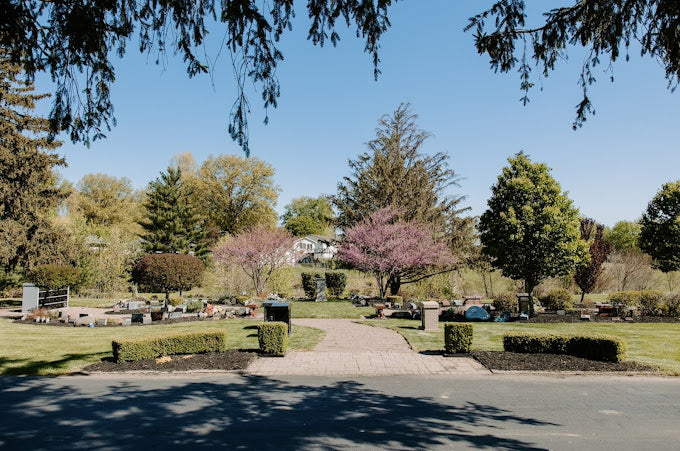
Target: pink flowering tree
394	251
259	252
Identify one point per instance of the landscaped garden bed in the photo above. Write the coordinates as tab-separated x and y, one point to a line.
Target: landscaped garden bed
229	360
513	361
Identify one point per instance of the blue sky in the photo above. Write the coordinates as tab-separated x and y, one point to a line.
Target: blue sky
330	104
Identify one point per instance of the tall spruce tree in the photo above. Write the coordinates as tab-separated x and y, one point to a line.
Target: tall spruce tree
395	173
28	190
172	224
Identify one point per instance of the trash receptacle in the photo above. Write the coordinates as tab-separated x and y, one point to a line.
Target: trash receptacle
277	311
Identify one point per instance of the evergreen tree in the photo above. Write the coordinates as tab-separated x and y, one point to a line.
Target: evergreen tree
172	224
28	186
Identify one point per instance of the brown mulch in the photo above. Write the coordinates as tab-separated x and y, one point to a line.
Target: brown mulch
514	361
225	361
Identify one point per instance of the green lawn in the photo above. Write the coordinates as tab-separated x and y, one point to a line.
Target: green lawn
649	343
328	309
27	349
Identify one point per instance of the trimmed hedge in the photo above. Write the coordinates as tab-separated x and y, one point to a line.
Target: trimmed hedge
133	349
604	348
273	337
457	338
336	282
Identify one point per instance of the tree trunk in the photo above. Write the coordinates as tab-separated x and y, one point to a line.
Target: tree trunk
395	283
583	295
529	288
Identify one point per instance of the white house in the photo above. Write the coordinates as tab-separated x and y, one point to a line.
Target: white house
316	248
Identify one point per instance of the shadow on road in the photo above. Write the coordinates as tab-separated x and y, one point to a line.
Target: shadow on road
253	412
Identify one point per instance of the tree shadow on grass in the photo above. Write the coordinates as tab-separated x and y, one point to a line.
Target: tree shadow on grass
245	412
16	367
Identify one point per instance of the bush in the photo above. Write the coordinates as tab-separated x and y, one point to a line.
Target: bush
672	303
175	301
194	306
594	347
309	284
54	277
651	303
336	282
505	302
273	338
557	299
133	349
457	338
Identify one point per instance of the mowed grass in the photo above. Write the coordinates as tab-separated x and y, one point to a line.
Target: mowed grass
328	309
27	349
656	344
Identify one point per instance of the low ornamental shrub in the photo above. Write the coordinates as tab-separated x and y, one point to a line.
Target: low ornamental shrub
133	349
457	338
336	282
558	299
54	277
672	303
604	348
273	338
309	284
194	306
505	302
175	301
651	303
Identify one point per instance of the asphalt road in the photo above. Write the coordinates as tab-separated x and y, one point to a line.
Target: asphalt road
231	411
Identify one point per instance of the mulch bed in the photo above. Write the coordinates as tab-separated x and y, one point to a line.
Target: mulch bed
514	361
226	361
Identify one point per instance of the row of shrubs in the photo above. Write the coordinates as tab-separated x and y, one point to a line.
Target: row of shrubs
272	338
133	349
458	339
336	281
594	347
648	302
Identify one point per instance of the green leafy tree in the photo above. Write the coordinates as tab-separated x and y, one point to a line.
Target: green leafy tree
660	228
172	223
308	216
106	201
235	193
531	229
168	272
624	236
29	193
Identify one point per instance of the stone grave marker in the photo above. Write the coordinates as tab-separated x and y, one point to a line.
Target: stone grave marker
320	289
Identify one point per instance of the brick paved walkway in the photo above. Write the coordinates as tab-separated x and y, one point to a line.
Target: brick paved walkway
352	349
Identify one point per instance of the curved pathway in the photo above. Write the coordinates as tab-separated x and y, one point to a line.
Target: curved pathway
353	349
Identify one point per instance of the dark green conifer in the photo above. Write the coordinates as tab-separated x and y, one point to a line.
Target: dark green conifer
172	224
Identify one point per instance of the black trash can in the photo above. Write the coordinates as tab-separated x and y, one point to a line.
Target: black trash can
277	311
